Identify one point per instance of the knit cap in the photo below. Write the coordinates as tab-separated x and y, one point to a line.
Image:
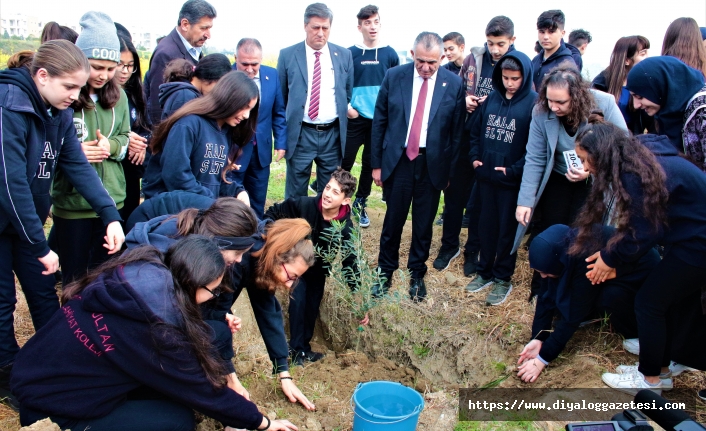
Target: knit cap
98	38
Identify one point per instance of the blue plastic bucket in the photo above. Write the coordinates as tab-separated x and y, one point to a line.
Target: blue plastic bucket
385	406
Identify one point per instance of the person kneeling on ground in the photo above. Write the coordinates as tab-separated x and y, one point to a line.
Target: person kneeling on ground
136	351
332	204
566	291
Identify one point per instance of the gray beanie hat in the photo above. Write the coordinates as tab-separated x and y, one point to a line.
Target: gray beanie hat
98	38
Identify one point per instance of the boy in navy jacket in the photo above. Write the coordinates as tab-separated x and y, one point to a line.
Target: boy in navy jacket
498	140
305	298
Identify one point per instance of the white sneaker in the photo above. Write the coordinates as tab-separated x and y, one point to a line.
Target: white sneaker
632	383
677	369
667	382
674	368
632	345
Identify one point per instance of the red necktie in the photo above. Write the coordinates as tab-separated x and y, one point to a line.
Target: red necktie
315	88
416	130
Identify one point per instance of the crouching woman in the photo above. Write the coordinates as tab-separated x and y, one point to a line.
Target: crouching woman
131	349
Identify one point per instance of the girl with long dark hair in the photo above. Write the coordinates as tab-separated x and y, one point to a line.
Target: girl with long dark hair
129	77
139	350
658	198
628	51
683	41
53	31
195	148
101	118
184	82
38	136
236	226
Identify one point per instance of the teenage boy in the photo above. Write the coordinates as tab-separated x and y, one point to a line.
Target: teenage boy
371	60
477	73
305	298
550	32
498	140
579	40
454	48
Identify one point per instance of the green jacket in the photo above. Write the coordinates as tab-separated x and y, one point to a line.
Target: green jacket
114	124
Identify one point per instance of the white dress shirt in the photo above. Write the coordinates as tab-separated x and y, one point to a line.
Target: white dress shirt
194	51
416	86
327	93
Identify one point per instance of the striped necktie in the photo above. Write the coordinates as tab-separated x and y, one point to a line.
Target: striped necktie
315	89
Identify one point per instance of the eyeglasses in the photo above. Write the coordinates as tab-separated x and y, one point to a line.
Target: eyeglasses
122	67
289	277
215	292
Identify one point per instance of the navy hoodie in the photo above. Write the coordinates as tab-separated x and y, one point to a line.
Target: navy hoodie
33	144
685	235
637	120
541	67
499	133
576	54
121	333
571	296
161	232
174	95
166	203
192	159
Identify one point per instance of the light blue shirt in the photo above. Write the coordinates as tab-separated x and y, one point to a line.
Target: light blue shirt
194	51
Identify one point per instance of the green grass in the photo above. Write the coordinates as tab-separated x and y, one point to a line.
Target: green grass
494	426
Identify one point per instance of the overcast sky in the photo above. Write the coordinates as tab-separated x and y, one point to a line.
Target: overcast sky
279	23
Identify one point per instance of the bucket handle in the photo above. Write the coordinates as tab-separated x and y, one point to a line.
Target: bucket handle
414	412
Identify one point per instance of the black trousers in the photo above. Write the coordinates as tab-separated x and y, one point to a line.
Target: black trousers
359	131
304	301
672	282
497	231
560	204
79	246
456	199
133	173
408	185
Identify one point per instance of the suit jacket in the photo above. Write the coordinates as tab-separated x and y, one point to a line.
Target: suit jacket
270	119
392	117
170	48
293	77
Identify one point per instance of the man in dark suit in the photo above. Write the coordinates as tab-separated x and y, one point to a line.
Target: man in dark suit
254	172
316	79
185	41
416	135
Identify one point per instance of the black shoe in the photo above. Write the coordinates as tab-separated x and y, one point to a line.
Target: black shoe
312	187
440	220
702	394
6	396
470	264
312	356
417	289
465	221
379	290
444	258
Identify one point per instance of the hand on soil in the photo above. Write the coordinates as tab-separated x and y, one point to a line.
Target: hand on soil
530	370
365	320
282	425
530	351
292	392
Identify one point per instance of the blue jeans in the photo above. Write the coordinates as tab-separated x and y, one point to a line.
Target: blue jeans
16	259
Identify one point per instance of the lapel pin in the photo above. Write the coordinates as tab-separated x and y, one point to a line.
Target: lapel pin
443	85
335	53
267	78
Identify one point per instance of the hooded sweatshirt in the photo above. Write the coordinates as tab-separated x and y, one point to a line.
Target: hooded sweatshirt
369	68
570	295
685	235
669	83
174	95
162	232
34	140
114	124
637	120
122	332
541	67
192	159
576	54
500	130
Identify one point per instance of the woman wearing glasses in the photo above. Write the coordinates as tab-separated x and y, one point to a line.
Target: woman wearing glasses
285	255
129	77
135	322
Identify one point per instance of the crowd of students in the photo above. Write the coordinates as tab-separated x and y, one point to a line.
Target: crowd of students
606	177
